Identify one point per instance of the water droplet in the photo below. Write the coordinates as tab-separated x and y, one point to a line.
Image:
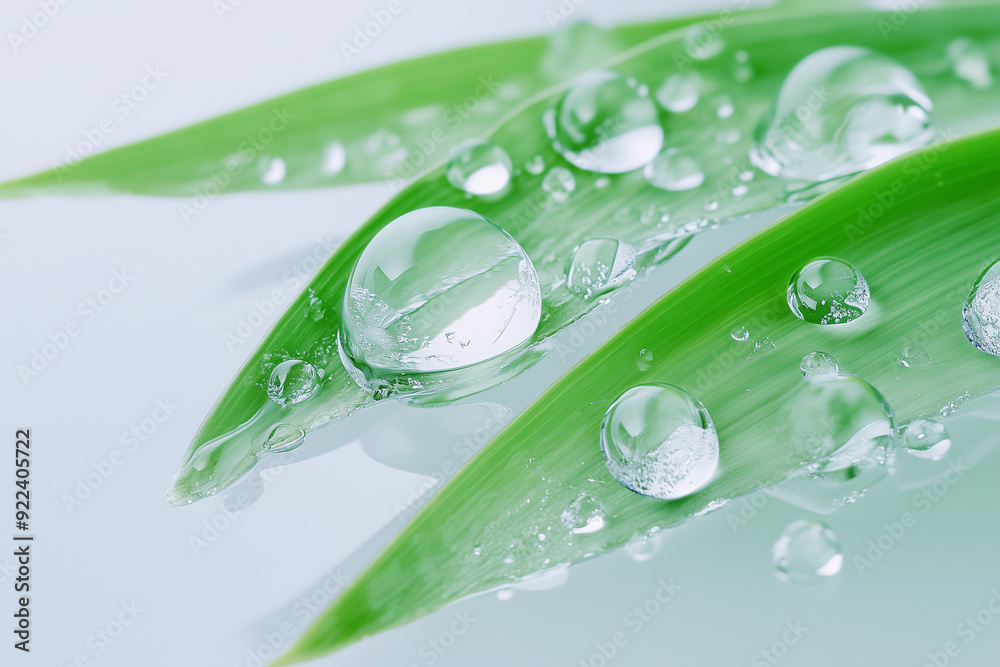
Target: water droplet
535	165
761	346
678	92
740	333
602	182
746	176
819	364
841	110
981	313
284	438
659	440
584	515
674	169
292	381
599	266
742	69
272	170
914	356
828	291
806	552
970	62
334	159
505	594
604	124
436	271
740	190
644	360
703	41
479	167
642	547
728	136
836	421
926	439
315	310
559	183
724	106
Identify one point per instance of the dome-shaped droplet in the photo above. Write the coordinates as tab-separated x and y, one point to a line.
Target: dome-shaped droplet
674	169
644	360
292	381
659	440
600	265
913	356
834	422
642	547
819	364
981	313
604	123
559	183
584	515
679	92
807	552
841	110
479	167
828	291
970	62
284	438
440	288
926	439
739	334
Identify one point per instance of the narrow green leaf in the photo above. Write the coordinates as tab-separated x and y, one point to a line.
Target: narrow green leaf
921	229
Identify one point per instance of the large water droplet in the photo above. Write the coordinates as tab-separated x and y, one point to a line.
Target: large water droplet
807	552
981	313
440	288
604	123
674	169
659	440
599	266
836	421
678	92
841	110
479	167
584	515
828	291
926	439
292	381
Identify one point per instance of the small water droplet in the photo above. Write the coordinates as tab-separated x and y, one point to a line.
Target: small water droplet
642	547
674	169
559	183
740	333
644	360
806	552
914	356
828	291
746	176
584	515
819	364
292	381
315	310
724	106
926	439
728	136
602	182
505	594
272	170
334	159
981	312
679	92
604	124
742	69
761	346
970	62
479	167
599	266
740	190
703	41
284	438
535	165
659	441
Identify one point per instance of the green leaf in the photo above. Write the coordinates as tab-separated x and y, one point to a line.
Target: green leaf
921	229
627	208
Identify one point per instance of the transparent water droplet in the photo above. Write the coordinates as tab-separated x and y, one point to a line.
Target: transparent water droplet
584	515
981	312
841	110
742	69
599	266
817	365
724	106
659	441
970	62
505	594
559	183
679	92
835	422
674	169
761	346
746	176
315	310
644	360
703	41
535	165
432	272
272	170
828	290
284	438
334	159
914	356
740	190
642	547
602	182
479	167
806	552
740	333
926	439
292	381
604	124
